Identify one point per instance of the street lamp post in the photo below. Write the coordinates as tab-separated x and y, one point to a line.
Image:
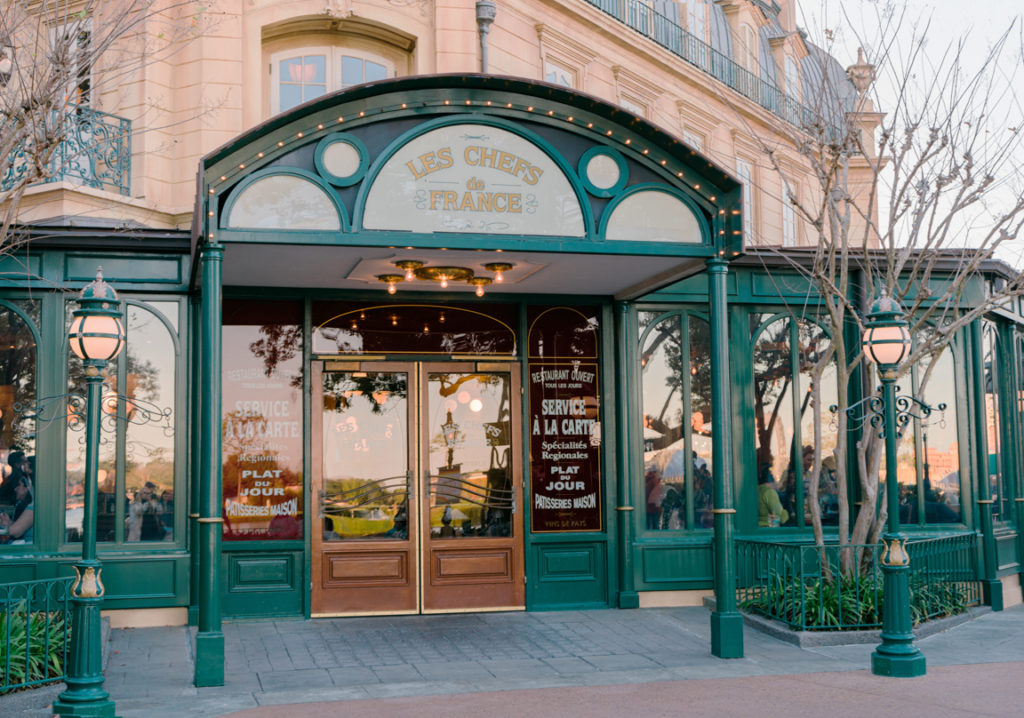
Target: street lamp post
887	342
96	336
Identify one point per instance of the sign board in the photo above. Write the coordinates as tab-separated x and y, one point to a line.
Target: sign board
473	178
565	447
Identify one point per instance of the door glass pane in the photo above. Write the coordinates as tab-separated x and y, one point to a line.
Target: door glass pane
470	435
664	445
365	456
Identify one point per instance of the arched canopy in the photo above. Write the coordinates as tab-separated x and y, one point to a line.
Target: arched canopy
556	183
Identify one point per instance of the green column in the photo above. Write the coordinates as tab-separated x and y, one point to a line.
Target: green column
209	669
992	587
726	621
626	344
195	458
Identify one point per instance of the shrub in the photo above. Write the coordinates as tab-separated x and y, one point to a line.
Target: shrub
20	628
850	602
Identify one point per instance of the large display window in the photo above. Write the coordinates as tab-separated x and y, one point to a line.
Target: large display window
262	420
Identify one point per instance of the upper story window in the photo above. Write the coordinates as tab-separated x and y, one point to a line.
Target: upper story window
302	74
697	18
70	45
792	77
747	52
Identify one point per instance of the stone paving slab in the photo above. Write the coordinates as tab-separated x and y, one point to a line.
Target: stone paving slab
149	671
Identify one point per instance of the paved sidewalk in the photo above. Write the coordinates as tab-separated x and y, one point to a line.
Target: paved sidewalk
279	663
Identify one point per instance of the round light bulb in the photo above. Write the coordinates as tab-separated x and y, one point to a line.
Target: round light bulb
392	288
409	276
444	282
499	276
479	290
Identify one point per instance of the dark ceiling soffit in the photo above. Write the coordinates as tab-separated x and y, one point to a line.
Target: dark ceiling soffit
690	267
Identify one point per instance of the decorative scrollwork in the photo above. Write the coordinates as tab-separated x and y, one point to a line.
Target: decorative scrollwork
114	409
871	410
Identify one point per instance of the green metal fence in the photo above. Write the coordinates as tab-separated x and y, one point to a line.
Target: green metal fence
35	631
806	587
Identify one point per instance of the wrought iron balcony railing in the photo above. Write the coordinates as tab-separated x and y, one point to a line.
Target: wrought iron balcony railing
638	15
96	152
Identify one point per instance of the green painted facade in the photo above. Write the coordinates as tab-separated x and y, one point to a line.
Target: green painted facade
710	280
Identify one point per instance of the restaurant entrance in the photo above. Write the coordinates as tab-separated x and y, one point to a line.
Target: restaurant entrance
416	484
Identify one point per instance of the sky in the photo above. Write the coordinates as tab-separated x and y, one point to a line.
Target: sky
980	23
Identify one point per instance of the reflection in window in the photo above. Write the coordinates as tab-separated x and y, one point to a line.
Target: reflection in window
558	74
675	361
149	448
262	422
365	455
345	328
136	474
302	78
928	467
283	201
786	355
653	216
993	421
17	436
357	70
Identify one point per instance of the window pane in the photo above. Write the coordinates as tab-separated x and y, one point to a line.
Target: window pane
351	71
149	446
291	96
665	456
375	71
700	421
992	421
940	461
17	435
262	423
814	345
106	475
773	421
311	91
283	202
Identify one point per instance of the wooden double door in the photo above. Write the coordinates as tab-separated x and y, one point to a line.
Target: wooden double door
416	483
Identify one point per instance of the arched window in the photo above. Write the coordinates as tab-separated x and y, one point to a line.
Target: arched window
18	363
787	353
675	356
138	470
302	74
309	57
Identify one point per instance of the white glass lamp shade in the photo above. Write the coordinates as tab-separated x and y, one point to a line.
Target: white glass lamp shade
886	345
96	336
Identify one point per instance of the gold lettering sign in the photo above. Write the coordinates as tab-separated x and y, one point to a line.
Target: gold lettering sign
473	178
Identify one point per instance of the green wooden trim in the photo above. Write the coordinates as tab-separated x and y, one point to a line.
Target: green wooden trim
274	171
616	157
348	139
706	240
